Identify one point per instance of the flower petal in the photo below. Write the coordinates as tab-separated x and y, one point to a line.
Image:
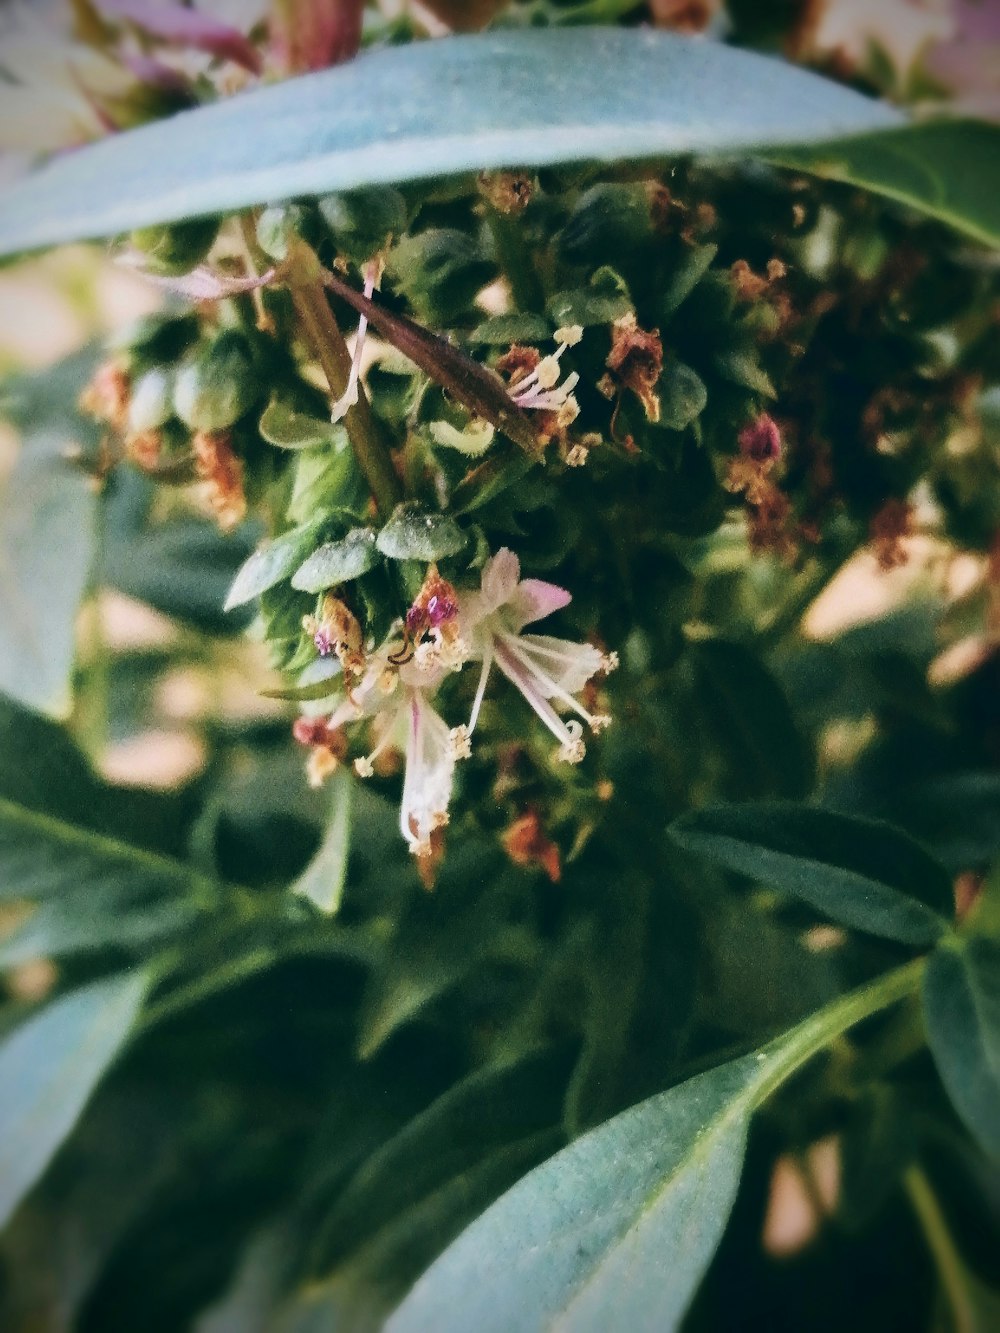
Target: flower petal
430	768
533	599
567	665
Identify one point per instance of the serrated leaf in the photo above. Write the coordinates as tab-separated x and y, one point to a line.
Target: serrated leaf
615	1231
338	562
49	1067
323	879
529	97
961	996
285	428
865	874
945	168
414	535
272	564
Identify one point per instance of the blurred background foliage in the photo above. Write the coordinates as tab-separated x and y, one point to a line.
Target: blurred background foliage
224	1111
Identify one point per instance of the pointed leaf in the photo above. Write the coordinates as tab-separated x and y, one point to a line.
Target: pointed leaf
962	1013
946	168
615	1231
49	1067
272	564
322	881
863	873
463	104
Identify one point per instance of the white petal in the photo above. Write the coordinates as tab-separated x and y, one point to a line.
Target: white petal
430	768
566	664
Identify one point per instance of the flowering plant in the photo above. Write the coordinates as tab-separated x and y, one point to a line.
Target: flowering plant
499	800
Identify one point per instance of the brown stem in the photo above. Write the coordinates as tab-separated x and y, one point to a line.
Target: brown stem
370	448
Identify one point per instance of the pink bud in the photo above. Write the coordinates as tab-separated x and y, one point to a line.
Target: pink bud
314	34
179	26
761	440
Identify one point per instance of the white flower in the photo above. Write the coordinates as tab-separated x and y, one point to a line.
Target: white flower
399	703
542	667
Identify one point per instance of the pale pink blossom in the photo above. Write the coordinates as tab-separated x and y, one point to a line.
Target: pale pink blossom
546	670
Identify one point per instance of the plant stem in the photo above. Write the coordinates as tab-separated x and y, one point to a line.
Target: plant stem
515	261
367	441
790	1052
946	1258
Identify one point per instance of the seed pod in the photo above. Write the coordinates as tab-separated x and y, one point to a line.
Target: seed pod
219	383
151	404
277	227
177	248
362	222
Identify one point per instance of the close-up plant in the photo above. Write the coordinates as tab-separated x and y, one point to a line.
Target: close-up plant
500	767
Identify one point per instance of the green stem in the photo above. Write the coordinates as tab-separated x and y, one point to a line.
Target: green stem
949	1265
370	448
789	1053
515	261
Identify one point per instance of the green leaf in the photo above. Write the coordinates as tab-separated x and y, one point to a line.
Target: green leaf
615	1231
504	330
338	562
322	881
47	511
605	298
862	873
414	535
282	426
750	720
272	564
49	1067
945	168
962	1013
529	97
682	396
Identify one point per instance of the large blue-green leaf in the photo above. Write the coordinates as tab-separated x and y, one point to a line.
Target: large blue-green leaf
49	1066
866	874
615	1231
962	1013
527	98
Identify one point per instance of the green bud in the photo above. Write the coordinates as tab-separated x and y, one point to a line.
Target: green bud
177	248
219	383
155	340
151	404
277	227
608	220
439	272
362	222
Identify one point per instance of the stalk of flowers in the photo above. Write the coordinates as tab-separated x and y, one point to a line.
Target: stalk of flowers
394	689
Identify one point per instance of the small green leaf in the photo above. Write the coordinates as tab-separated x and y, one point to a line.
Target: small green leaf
338	562
682	282
414	535
505	330
862	873
604	299
742	367
534	97
962	1012
272	564
322	881
285	428
615	1231
49	1066
682	396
